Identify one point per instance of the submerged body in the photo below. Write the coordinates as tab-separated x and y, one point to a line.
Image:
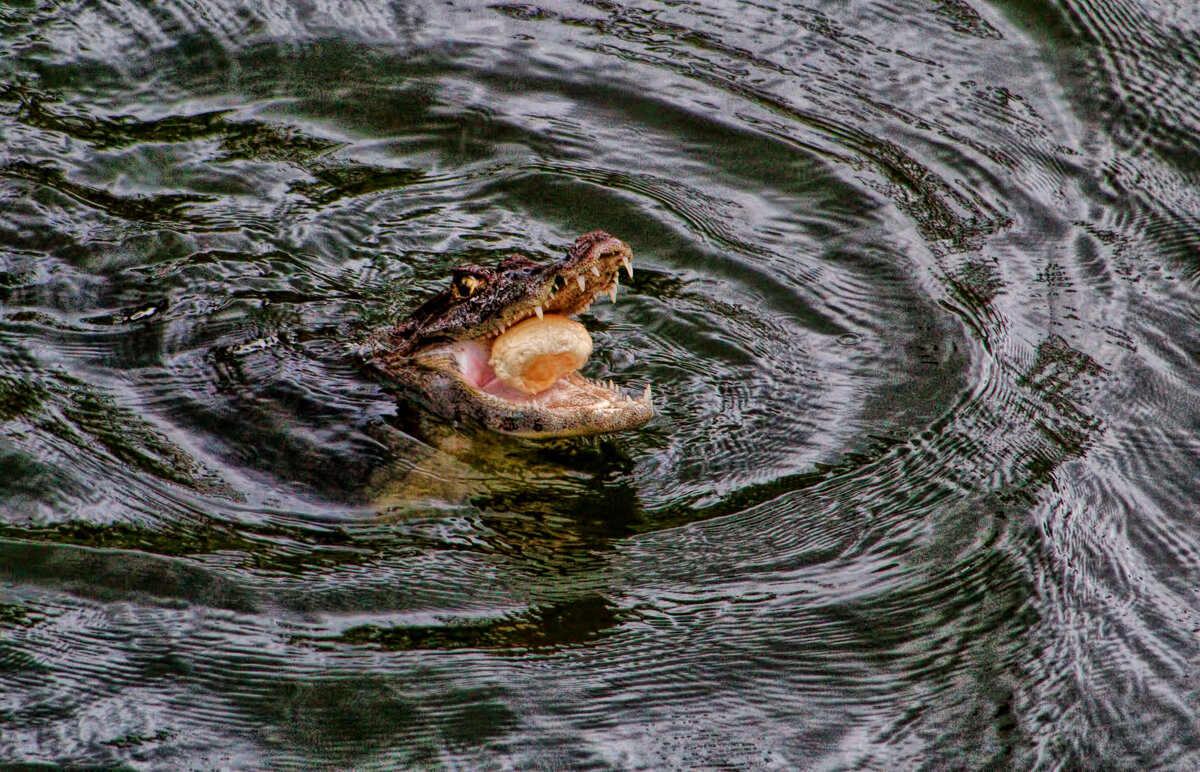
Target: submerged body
454	357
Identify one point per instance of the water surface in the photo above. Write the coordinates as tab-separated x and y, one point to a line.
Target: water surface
915	285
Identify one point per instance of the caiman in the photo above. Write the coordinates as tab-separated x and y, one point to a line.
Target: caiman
439	356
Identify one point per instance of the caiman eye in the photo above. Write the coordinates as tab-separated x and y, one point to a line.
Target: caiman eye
467	285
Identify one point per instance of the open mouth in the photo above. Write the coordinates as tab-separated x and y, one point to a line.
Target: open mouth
541	297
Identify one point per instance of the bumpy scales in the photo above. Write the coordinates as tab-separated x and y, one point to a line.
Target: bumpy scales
442	354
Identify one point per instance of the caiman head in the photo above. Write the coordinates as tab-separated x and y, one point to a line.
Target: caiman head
439	355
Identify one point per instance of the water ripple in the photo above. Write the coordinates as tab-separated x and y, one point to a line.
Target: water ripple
913	288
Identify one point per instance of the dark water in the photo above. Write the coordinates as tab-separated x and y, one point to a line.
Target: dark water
917	285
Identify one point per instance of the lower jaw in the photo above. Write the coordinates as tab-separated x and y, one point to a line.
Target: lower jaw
573	406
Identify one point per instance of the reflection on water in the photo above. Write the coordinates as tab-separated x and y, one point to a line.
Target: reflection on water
915	289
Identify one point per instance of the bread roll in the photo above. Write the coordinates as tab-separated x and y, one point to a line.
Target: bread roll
532	355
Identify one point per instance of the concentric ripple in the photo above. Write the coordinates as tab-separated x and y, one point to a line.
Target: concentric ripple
914	287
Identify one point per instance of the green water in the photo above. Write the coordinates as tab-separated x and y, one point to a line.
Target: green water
915	285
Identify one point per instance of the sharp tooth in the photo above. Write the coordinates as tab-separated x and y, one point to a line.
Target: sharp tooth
582	282
595	270
612	293
628	265
538	310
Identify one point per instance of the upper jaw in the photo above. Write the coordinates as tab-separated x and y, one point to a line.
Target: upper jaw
597	270
591	268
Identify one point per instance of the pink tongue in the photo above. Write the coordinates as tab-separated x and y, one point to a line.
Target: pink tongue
472	357
473	363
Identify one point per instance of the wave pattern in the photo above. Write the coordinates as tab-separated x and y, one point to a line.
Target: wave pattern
915	289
